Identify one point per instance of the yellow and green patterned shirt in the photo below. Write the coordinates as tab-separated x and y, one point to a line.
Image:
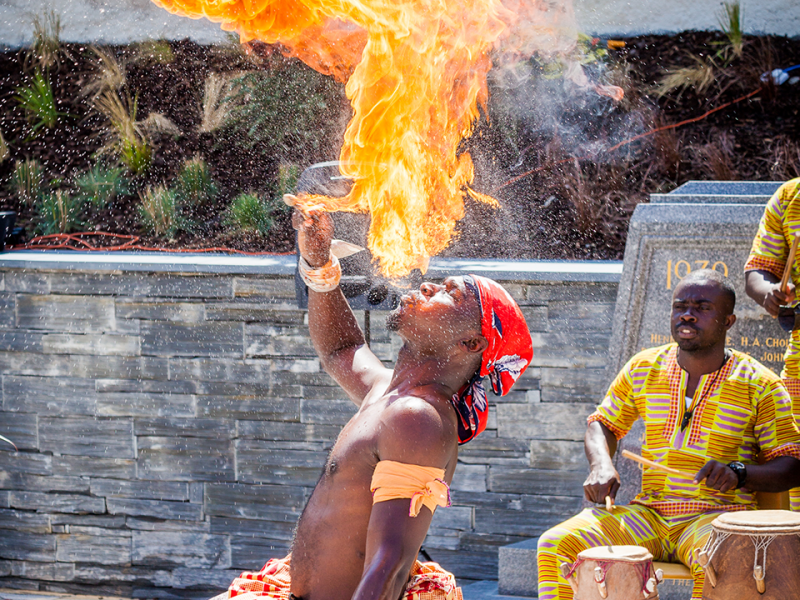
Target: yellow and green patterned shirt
770	251
740	411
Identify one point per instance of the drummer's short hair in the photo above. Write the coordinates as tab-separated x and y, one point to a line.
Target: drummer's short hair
724	284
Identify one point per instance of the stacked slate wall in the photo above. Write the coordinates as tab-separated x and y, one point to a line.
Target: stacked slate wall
172	426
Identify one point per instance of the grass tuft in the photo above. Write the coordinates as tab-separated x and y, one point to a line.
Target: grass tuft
127	138
730	21
4	151
101	184
214	109
699	77
154	52
27	181
194	184
38	102
159	212
45	52
248	212
109	74
59	212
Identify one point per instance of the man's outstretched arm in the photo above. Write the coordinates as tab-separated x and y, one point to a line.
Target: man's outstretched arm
334	331
764	288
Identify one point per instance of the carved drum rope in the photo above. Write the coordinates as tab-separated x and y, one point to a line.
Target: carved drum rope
613	572
775	538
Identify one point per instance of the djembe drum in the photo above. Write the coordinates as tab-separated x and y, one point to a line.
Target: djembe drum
752	555
613	573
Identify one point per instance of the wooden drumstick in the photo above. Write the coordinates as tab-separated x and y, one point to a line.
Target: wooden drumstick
609	504
787	270
655	465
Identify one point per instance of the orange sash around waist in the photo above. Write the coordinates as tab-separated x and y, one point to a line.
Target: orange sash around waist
425	486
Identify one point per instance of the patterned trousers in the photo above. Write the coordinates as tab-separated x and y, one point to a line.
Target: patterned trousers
793	385
669	539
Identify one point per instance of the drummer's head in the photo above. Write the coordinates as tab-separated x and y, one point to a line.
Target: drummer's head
702	311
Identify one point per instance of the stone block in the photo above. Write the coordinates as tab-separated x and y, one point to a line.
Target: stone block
150	524
535	481
536	317
576	292
107	522
179	285
24	521
250	287
467	565
26	462
20	428
573	385
152	490
73	314
259	461
145	404
487	500
458	518
517	569
558	455
92	343
580	316
268	502
270	340
103	438
145	385
118	468
164	338
248	406
200	369
15	340
192	550
470	478
176	511
202	578
26	282
485	448
103	550
8	316
84	366
219	429
4	502
568	349
278	430
97	531
250	554
556	421
253	312
185	459
160	310
21	545
272	530
49	395
43	571
12	480
57	503
329	412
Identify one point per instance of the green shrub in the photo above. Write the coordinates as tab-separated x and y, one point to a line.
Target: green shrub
154	52
730	21
248	212
27	181
101	184
4	151
160	213
194	184
38	102
59	212
289	108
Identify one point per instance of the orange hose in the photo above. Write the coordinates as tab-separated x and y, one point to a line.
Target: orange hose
630	140
69	241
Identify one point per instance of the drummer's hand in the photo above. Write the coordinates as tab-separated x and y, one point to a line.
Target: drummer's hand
718	476
315	234
601	482
776	298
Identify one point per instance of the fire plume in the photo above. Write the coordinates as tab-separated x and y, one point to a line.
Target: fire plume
415	73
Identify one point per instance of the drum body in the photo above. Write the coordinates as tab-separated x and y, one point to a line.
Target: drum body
612	573
750	550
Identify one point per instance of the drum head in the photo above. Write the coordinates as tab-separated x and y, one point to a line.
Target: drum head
632	554
760	522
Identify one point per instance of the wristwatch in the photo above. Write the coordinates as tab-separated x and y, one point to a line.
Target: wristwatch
740	470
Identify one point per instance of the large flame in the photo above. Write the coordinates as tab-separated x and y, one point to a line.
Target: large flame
416	75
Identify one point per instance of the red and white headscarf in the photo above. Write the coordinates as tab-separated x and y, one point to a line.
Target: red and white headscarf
508	354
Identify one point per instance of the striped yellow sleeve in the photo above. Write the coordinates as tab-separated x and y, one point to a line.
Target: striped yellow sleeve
770	248
618	411
776	429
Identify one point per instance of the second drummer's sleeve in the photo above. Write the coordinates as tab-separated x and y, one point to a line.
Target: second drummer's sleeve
618	410
770	250
776	430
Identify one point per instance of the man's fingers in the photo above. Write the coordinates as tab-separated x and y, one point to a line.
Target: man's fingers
614	489
703	473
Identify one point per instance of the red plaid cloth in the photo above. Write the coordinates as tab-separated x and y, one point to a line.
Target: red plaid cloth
428	581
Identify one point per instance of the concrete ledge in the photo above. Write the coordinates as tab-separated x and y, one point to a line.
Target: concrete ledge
483	590
517	569
284	265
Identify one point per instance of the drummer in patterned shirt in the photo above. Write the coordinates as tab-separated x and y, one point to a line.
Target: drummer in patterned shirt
763	272
708	410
